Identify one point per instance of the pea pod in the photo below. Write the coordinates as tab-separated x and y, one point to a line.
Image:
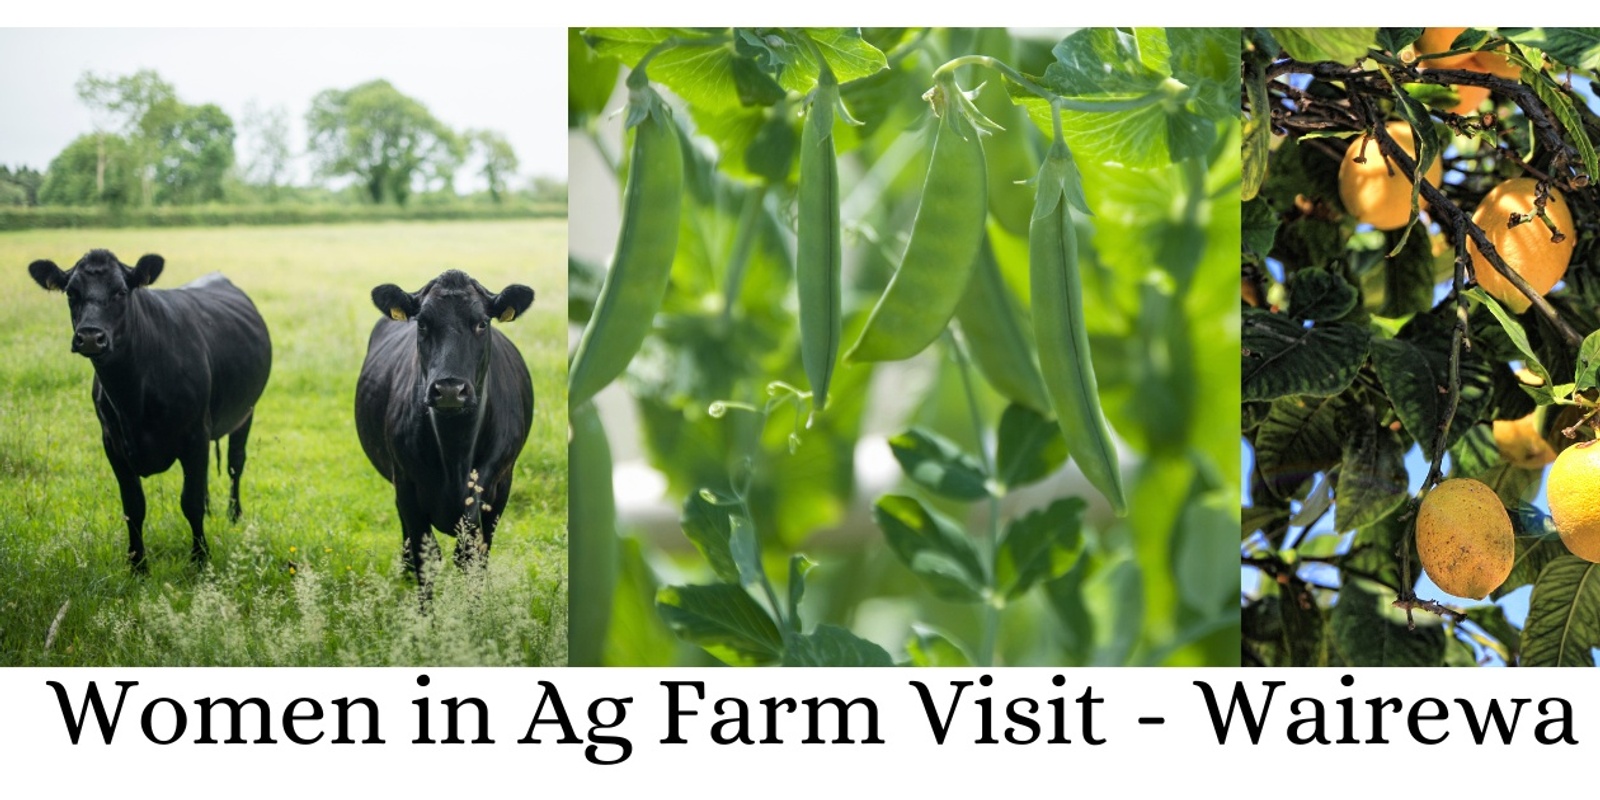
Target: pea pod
637	280
1000	347
591	539
820	249
922	295
1059	329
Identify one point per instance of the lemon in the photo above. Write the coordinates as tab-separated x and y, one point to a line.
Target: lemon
1370	192
1574	493
1494	63
1520	444
1437	40
1464	538
1471	98
1526	248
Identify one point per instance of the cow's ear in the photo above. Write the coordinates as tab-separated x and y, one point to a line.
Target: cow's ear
394	301
146	271
511	303
48	275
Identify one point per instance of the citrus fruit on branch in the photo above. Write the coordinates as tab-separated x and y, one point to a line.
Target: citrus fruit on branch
1528	248
1373	189
1464	538
1574	494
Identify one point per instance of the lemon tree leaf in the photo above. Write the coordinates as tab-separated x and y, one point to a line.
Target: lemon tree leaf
1344	45
1300	437
1320	295
1563	615
1363	636
1281	357
1414	369
1372	475
1575	47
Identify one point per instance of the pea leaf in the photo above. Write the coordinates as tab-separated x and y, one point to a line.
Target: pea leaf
1077	628
1343	45
708	526
1281	357
702	74
1041	545
1031	446
1363	636
799	565
745	549
939	464
1203	558
591	78
833	646
1115	597
930	648
933	547
1177	118
724	620
1563	615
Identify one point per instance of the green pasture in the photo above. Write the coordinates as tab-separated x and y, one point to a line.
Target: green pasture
311	574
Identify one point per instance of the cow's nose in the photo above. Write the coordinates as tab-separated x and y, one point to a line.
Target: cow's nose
89	341
449	393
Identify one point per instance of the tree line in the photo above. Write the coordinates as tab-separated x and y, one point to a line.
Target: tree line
149	148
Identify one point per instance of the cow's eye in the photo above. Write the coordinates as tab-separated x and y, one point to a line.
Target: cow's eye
121	293
422	327
483	325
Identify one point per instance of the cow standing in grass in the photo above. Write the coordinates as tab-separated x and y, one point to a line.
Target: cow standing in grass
443	406
174	370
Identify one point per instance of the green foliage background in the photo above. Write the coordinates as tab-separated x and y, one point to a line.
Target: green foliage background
1155	587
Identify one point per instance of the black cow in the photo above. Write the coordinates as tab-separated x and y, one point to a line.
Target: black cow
174	370
443	406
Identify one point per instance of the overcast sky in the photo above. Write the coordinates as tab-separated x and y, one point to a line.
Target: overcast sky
508	80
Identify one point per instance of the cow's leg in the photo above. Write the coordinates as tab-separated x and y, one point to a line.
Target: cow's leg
132	505
194	459
416	531
236	454
495	505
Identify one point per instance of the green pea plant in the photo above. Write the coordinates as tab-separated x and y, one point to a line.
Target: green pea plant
1001	261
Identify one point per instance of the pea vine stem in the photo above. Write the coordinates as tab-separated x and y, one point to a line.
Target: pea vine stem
991	607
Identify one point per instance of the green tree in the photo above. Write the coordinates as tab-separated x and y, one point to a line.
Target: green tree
270	152
387	141
134	107
499	160
20	187
96	168
195	152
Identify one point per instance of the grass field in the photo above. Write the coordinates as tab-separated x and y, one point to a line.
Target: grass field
311	574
